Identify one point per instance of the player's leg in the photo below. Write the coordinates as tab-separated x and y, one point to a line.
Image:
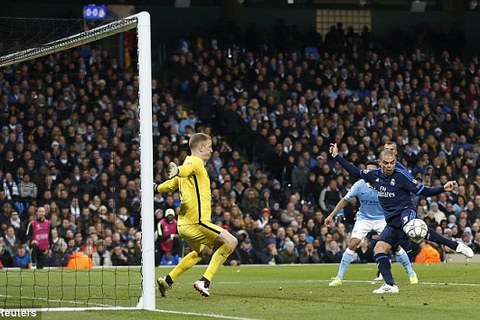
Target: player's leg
347	258
378	228
41	258
225	243
192	236
389	237
381	257
459	247
34	254
360	230
432	235
402	257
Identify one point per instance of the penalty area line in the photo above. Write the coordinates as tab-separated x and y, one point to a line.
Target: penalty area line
210	315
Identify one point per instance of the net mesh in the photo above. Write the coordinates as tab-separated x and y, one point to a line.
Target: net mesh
57	288
19	34
31	38
75	88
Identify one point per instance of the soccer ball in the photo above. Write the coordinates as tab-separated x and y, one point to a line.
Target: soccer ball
416	230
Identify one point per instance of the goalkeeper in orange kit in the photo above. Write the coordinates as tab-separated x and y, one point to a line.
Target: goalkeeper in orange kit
194	218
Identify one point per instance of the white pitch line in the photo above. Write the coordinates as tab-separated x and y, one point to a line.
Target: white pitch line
353	281
211	315
107	307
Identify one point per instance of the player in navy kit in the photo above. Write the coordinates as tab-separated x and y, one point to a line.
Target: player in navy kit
370	217
394	190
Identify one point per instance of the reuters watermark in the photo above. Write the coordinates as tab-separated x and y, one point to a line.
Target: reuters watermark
20	314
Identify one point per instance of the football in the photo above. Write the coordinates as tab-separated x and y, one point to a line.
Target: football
416	230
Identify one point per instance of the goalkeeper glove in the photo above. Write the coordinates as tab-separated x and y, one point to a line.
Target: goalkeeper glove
155	187
172	170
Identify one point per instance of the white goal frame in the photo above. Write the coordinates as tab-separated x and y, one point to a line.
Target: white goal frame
141	22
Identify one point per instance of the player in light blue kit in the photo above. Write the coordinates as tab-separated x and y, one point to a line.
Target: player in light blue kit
370	217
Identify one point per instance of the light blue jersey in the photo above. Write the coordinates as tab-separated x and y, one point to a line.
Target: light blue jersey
370	208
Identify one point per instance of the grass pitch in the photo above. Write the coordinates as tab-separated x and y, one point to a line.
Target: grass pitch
446	291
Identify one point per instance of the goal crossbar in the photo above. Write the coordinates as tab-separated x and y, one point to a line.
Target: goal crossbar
141	22
76	40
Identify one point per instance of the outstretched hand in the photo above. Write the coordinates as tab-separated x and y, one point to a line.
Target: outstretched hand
172	170
333	149
450	186
329	221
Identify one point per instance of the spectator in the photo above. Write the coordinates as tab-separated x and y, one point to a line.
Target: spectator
119	256
330	196
299	176
309	254
6	257
169	259
248	255
167	233
11	242
288	215
289	255
333	253
28	190
427	253
38	232
438	215
270	254
21	259
365	252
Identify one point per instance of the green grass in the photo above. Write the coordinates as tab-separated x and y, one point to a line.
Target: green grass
446	291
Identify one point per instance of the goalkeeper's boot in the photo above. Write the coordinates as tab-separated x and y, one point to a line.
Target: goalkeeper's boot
465	250
413	279
386	288
335	282
199	285
163	286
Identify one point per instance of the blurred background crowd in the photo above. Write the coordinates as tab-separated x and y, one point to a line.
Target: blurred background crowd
69	141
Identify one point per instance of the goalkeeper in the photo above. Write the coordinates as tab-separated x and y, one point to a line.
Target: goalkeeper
194	218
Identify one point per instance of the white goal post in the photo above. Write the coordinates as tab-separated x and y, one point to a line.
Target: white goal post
141	22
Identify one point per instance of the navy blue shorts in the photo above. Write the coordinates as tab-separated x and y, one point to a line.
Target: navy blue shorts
393	233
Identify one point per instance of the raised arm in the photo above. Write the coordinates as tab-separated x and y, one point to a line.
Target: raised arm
354	171
447	187
418	188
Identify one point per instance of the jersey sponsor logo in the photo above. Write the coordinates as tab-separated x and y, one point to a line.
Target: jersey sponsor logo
384	193
392	182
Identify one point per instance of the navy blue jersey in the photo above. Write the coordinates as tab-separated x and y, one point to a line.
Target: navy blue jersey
394	191
401	168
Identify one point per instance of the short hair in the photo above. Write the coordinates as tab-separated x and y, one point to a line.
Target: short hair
197	139
386	153
390	143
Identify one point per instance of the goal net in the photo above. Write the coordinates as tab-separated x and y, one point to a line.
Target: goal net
75	113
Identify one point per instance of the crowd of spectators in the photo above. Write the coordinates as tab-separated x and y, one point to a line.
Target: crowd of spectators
69	143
